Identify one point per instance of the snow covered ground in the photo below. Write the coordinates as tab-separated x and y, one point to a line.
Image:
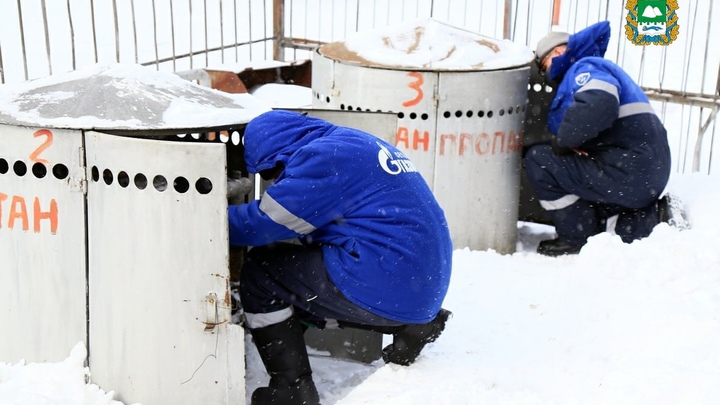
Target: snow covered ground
618	323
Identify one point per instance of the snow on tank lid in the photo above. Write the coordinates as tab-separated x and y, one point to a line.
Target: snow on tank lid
427	44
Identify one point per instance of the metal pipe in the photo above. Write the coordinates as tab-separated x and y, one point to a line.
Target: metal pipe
134	28
94	34
47	36
22	39
72	34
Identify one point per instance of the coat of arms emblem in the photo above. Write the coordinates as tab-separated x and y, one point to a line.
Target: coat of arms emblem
652	22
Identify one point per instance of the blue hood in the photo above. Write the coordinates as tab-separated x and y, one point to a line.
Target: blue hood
274	136
592	41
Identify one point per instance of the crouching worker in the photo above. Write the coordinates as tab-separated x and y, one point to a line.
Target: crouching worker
375	253
609	161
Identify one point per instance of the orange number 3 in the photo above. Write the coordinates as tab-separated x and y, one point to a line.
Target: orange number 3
415	86
35	156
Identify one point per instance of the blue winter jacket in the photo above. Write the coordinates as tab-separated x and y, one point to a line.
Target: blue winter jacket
599	109
384	237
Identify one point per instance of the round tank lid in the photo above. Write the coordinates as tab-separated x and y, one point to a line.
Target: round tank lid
427	44
122	97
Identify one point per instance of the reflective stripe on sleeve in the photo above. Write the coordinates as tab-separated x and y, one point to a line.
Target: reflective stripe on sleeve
282	216
560	203
635	108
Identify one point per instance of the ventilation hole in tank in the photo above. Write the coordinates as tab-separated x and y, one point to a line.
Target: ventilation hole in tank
160	183
123	179
501	112
327	99
4	166
108	177
181	185
20	168
537	87
95	174
140	181
469	114
458	113
235	138
481	114
424	116
342	106
489	114
401	115
60	171
203	185
39	170
447	114
413	116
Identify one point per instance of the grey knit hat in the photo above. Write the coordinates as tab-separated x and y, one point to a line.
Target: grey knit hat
549	42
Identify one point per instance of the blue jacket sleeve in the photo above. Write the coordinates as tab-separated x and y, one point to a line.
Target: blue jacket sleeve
294	206
249	226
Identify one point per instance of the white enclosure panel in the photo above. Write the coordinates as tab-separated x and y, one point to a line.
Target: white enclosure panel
409	94
42	244
477	170
159	276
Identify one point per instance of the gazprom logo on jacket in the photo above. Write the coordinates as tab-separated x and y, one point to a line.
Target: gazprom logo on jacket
394	163
582	79
652	22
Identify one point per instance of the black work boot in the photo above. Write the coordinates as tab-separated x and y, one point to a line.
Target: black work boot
556	247
671	211
411	339
283	352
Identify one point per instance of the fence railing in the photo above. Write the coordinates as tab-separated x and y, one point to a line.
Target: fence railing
40	37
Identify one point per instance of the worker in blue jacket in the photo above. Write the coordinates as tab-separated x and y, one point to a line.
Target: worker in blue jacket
375	249
609	160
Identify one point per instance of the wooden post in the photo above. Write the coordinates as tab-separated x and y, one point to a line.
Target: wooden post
278	29
507	24
556	12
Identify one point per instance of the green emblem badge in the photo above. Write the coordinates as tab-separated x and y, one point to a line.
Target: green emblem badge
651	22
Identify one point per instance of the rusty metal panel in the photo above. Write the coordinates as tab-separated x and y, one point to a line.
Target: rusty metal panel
409	94
159	280
477	170
42	244
540	96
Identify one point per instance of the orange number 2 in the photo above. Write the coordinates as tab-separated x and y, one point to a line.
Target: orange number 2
415	86
35	156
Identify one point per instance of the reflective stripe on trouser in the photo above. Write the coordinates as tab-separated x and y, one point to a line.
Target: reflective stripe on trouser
281	275
570	189
575	223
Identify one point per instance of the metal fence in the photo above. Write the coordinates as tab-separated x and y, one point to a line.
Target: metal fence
40	37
